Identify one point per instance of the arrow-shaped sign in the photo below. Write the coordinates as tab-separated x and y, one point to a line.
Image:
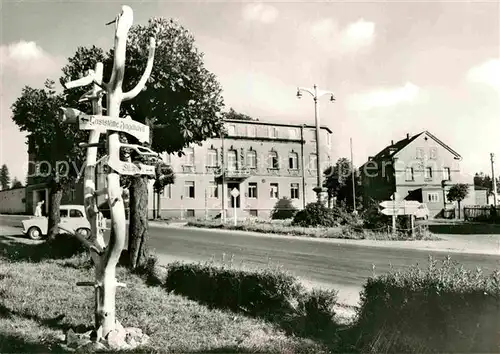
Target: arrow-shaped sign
131	169
104	123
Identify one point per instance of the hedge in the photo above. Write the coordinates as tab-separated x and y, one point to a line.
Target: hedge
440	309
271	294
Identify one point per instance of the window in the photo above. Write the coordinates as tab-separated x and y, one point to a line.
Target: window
292	133
252	190
433	197
433	153
420	153
273	132
190	213
212	157
167	191
231	160
274	192
189	189
63	213
251	131
189	156
428	173
294	191
447	174
293	161
231	129
409	173
251	159
313	135
212	190
312	162
73	213
273	160
253	212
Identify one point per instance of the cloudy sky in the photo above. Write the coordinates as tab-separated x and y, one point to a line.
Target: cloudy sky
395	67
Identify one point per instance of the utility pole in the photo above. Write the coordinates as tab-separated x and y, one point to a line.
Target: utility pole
353	184
223	171
314	92
493	180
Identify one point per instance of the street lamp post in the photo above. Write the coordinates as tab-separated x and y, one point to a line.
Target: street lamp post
316	94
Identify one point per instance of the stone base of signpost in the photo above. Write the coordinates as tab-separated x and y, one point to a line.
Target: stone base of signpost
120	339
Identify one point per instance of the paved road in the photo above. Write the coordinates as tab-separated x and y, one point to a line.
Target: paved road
328	263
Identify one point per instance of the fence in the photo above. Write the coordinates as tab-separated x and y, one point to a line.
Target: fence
482	213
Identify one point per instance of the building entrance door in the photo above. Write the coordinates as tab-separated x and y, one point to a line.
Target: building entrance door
235	202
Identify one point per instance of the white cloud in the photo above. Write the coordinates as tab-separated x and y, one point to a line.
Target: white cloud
260	12
27	59
354	37
487	73
384	97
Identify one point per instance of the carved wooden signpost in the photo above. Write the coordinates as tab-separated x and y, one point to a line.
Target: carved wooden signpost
106	257
395	207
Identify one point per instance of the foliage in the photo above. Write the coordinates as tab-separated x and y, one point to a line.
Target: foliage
338	182
283	209
483	180
232	114
4	177
16	183
164	176
317	214
458	192
439	309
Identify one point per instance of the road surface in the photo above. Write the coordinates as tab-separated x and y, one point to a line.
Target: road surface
321	262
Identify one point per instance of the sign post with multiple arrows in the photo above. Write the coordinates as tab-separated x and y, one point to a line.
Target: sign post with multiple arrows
396	206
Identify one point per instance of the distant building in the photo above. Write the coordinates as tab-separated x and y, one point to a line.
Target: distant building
419	167
263	161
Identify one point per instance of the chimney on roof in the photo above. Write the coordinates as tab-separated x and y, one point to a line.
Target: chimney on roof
407	135
392	142
370	158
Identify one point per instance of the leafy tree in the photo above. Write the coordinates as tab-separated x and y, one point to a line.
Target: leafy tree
283	209
4	177
232	114
336	178
16	183
458	192
35	111
485	181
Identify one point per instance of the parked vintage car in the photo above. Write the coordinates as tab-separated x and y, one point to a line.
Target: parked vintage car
72	218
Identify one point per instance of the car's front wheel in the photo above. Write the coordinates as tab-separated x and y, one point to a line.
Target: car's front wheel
84	232
35	233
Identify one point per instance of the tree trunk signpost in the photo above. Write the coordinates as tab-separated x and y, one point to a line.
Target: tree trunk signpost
108	331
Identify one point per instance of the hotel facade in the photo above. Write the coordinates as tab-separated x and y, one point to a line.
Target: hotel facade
262	161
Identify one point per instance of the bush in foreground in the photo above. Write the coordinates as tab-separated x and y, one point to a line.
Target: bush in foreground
271	294
440	309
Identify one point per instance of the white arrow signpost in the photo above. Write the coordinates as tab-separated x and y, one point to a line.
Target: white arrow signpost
397	207
235	193
104	123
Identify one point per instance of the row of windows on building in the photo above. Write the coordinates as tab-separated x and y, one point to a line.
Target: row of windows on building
428	174
212	191
272	132
212	157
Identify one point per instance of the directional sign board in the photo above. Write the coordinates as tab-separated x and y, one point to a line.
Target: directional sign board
103	123
129	168
405	207
235	192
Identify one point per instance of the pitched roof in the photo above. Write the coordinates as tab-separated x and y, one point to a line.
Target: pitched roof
389	151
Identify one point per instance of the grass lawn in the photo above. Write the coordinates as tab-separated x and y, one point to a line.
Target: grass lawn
39	302
285	228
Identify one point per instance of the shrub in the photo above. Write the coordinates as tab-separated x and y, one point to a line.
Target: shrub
284	209
317	214
258	293
441	309
374	219
317	312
